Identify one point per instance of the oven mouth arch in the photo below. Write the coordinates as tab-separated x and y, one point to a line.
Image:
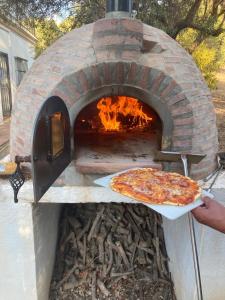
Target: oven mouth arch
130	91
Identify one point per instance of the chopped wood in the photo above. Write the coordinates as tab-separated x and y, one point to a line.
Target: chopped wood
103	288
84	230
101	249
111	251
147	250
133	224
137	238
110	261
122	253
139	219
74	223
85	250
96	220
66	277
121	274
93	286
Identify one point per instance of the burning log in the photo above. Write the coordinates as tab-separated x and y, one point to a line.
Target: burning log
111	251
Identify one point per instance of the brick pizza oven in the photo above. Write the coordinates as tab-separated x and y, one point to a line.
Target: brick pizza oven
110	58
58	118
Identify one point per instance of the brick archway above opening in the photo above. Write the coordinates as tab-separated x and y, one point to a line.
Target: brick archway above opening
122	53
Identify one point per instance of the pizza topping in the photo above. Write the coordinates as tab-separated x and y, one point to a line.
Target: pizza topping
155	186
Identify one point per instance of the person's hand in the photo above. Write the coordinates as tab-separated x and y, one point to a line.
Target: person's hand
211	213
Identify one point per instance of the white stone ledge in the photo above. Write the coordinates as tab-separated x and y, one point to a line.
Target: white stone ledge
63	194
78	194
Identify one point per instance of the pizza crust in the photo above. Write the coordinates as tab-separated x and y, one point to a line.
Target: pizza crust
133	183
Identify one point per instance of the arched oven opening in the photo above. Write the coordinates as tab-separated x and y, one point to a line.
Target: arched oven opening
115	133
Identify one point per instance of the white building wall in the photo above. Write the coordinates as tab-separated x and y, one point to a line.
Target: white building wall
14	45
17	255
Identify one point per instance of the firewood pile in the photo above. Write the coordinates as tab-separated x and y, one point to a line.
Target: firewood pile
111	251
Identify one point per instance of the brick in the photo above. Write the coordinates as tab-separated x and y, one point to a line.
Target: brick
68	100
83	81
70	88
113	72
132	25
199	172
73	84
187	115
127	67
156	83
132	73
175	91
97	75
144	78
169	69
116	39
89	77
107	74
106	55
177	111
105	24
20	141
153	75
168	88
131	55
183	132
186	142
172	100
119	73
56	69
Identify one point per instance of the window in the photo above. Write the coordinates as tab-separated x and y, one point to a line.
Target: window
5	86
21	69
57	134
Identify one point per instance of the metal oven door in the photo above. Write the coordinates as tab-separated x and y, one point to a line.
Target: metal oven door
51	145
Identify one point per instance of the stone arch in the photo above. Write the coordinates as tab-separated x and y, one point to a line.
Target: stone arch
150	85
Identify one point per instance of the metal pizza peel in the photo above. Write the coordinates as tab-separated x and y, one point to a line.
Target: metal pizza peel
187	159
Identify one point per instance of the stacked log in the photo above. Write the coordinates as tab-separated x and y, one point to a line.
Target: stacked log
111	251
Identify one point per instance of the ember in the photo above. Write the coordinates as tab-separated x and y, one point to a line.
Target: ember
111	251
112	110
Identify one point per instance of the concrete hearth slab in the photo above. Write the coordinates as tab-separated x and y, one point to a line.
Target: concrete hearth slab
78	194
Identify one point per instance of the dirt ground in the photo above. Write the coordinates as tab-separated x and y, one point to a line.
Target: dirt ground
219	103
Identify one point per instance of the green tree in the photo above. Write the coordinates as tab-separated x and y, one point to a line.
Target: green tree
47	32
67	24
173	16
199	25
209	53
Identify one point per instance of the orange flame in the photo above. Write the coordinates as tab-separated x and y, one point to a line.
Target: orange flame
110	111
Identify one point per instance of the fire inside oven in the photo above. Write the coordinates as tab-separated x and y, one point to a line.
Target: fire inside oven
115	133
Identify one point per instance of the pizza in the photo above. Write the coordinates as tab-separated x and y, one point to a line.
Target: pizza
156	187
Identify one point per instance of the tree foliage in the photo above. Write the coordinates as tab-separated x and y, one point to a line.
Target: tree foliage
199	25
208	54
173	16
25	9
47	32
